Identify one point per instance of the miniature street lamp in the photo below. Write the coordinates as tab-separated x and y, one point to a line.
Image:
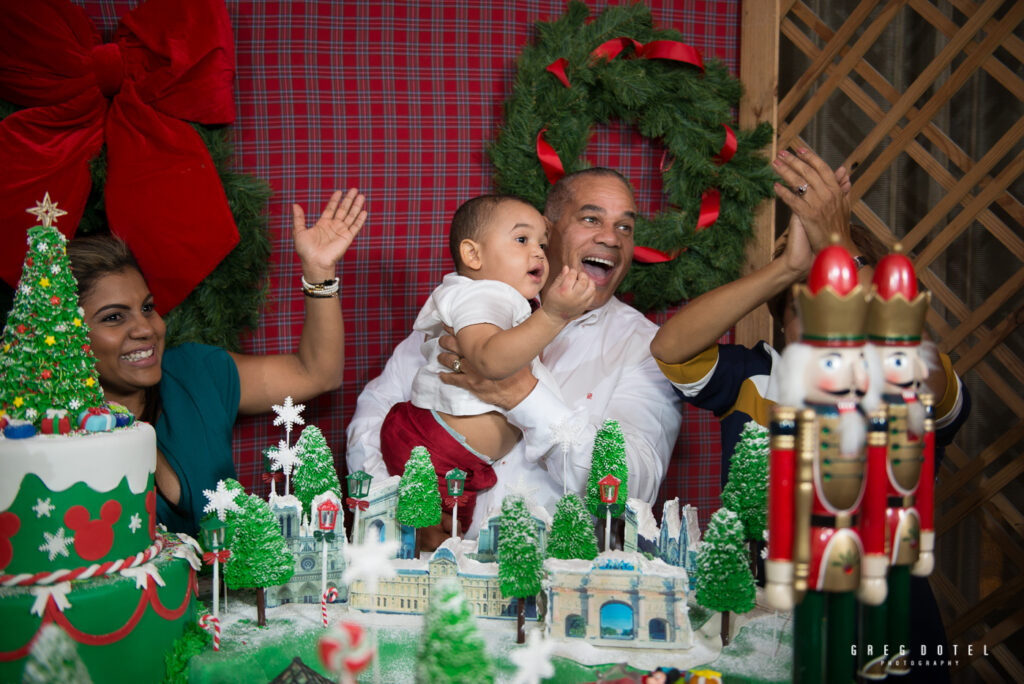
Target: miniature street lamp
456	486
358	490
327	508
608	487
214	531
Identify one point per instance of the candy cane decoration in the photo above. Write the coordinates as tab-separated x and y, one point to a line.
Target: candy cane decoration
346	651
211	623
329	596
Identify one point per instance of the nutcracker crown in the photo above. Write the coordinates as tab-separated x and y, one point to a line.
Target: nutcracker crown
896	311
832	305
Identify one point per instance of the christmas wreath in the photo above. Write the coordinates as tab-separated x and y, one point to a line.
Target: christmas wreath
581	72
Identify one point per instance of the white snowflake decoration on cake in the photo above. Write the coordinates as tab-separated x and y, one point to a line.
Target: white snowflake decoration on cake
533	660
135	523
43	508
369	562
524	489
284	458
56	544
221	500
289	414
568	433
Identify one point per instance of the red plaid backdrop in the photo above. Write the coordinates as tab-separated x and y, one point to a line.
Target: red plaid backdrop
401	99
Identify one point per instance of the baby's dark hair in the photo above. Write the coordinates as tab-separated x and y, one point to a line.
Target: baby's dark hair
470	218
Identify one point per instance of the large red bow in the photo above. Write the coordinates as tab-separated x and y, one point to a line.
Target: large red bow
353	504
171	61
210	556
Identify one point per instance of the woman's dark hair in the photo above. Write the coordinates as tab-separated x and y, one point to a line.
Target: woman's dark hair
94	256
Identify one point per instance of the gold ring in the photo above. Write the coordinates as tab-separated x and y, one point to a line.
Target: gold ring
457	366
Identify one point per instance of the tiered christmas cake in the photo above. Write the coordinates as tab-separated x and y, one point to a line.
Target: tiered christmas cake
79	546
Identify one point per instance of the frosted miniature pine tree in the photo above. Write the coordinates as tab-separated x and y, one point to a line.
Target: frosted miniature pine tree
316	475
54	658
520	566
451	650
746	492
419	500
724	582
572	531
259	555
46	361
608	456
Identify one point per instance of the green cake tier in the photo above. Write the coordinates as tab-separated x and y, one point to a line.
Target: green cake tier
68	502
122	625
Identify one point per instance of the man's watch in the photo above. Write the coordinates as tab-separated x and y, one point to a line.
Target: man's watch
861	261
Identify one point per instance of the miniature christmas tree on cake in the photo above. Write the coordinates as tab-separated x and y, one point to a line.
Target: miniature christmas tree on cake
520	566
724	582
54	658
746	492
451	650
316	475
46	361
607	458
259	554
419	500
572	531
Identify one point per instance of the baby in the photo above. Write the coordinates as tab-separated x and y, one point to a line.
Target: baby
498	244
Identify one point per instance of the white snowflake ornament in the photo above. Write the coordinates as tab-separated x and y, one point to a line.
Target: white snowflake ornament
533	660
43	508
222	500
369	562
289	414
135	523
56	544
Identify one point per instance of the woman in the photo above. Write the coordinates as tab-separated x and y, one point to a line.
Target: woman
193	393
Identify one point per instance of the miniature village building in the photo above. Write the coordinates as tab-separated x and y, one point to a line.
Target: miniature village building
408	591
298	533
621	600
677	540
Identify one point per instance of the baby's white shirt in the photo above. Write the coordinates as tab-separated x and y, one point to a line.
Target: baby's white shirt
459	302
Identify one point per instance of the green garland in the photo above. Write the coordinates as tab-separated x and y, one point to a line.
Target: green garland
671	102
229	298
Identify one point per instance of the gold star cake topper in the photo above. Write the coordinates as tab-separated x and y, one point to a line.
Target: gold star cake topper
47	211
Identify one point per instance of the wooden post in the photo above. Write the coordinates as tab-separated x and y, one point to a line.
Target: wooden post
759	73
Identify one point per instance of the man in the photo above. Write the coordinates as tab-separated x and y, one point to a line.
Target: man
601	361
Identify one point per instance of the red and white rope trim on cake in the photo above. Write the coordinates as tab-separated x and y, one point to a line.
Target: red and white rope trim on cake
95	570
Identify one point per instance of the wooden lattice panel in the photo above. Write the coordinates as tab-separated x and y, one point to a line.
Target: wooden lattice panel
966	241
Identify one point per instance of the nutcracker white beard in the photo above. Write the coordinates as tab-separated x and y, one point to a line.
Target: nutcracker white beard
903	372
840	376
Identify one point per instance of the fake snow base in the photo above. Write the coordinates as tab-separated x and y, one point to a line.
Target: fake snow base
760	651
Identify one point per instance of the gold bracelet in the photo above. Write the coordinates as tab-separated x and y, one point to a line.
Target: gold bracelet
320	295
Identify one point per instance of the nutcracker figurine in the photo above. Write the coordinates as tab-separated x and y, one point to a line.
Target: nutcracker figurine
896	313
822	457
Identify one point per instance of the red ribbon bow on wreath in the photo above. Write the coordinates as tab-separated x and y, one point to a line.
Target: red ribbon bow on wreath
171	61
710	204
210	556
353	504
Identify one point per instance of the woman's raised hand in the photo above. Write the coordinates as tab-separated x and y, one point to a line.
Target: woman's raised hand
322	245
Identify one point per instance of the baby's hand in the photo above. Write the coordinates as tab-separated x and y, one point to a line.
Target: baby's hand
569	296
